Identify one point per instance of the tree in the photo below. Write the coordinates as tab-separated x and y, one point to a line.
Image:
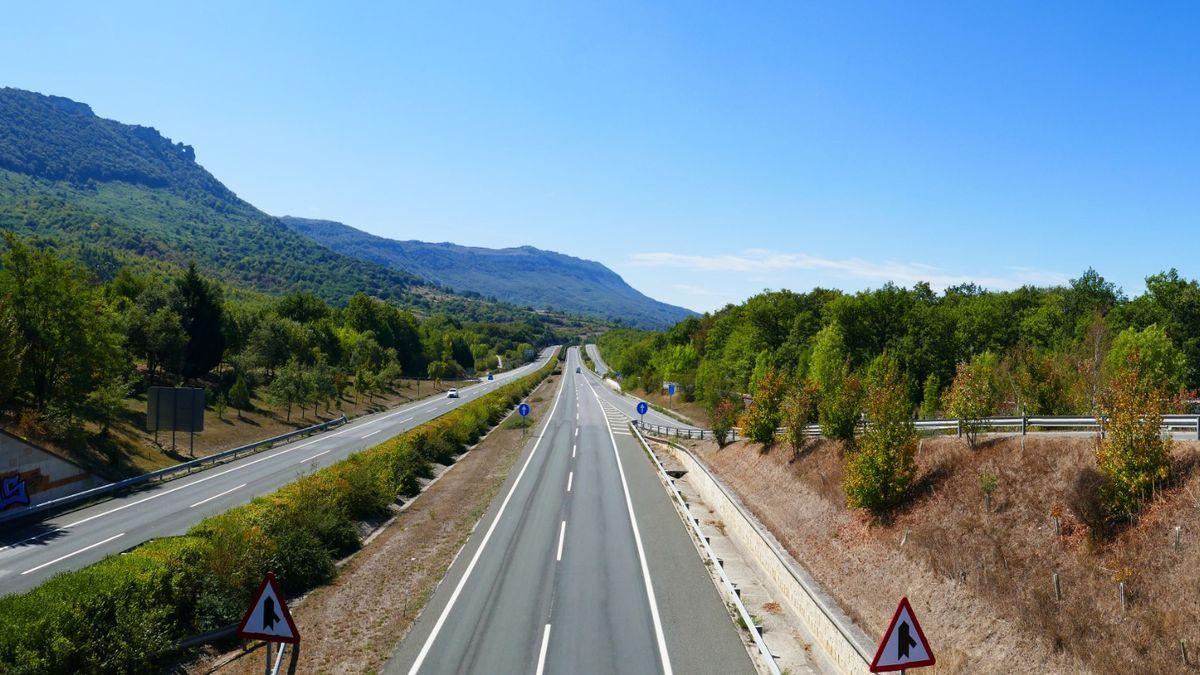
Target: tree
11	352
66	329
291	386
799	409
1133	456
201	316
973	394
840	390
1159	361
931	397
107	401
763	416
881	472
239	395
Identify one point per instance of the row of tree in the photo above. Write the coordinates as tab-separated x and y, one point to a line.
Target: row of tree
1048	346
72	348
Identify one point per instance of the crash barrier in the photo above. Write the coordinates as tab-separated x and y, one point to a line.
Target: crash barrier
1024	425
681	432
167	473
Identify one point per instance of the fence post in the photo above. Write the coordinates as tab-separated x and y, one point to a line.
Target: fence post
960	428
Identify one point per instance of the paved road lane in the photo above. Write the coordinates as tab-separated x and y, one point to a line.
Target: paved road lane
580	565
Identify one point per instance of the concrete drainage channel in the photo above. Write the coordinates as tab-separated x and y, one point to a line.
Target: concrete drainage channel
763	564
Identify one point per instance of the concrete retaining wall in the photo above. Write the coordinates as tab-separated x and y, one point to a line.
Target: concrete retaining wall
27	471
843	642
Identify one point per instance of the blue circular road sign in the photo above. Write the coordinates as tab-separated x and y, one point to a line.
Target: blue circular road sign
642	407
523	409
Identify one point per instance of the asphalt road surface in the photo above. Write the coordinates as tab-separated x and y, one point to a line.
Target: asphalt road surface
32	553
580	565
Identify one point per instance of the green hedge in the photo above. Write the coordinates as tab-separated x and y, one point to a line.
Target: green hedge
123	613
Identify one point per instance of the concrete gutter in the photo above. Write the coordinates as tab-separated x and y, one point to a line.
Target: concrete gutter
843	641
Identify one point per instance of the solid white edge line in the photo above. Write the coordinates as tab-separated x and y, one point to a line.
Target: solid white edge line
62	558
541	666
219	494
437	626
562	536
637	538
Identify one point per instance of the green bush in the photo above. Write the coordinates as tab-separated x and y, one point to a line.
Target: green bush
121	614
881	471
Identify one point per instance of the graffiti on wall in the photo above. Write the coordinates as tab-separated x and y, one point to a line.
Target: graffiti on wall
12	492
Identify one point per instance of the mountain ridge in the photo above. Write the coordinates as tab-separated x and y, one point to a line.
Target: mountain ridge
523	275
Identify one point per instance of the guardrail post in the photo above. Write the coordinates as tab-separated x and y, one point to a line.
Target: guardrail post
960	428
1024	424
1198	427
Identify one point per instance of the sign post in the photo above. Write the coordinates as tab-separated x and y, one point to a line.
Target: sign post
523	411
904	644
269	620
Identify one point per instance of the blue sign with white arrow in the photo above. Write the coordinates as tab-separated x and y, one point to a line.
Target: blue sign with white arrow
642	407
523	409
671	389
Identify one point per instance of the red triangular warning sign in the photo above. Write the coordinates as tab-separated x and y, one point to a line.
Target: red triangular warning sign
904	644
268	617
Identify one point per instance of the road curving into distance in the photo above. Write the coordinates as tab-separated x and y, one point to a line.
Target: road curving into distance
32	553
580	565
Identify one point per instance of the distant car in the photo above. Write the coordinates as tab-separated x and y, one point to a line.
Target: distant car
453	393
490	377
577	369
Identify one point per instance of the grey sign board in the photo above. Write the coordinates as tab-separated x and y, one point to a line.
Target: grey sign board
175	409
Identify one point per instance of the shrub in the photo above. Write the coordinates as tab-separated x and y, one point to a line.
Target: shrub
1133	456
881	472
724	416
839	410
973	394
799	408
763	416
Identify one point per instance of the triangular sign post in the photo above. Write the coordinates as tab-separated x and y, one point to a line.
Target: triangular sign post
904	644
268	617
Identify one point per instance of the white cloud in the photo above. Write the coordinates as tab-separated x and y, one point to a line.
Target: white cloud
759	261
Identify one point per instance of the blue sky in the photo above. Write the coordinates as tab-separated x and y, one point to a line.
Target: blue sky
704	151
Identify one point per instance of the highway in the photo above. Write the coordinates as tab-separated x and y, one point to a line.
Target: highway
32	553
580	565
628	404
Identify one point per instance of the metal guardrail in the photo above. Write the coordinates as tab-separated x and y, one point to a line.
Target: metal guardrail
1024	425
166	473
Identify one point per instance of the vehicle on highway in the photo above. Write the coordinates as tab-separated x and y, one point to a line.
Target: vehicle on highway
578	370
452	393
490	376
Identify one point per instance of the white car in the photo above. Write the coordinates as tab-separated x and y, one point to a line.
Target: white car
453	393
